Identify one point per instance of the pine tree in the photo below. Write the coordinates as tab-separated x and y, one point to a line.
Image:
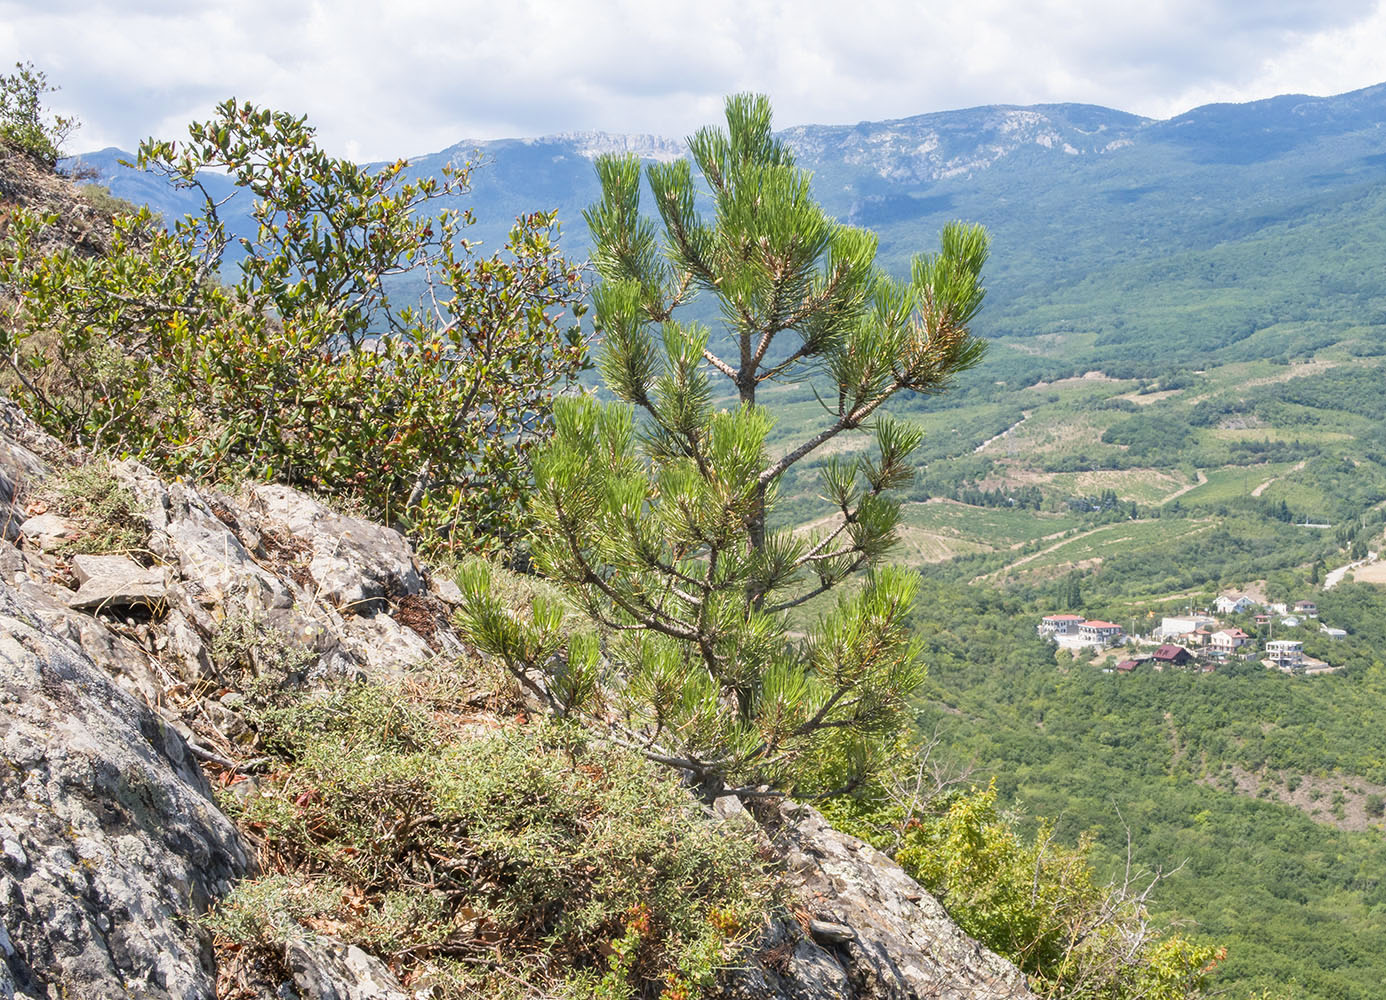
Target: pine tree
656	508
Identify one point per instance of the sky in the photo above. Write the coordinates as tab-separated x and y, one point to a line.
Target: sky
382	80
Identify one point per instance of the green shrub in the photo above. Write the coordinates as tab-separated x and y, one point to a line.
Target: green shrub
308	369
107	516
25	123
1034	900
99	197
244	644
529	852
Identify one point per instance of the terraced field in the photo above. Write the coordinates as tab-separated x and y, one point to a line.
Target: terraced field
1087	549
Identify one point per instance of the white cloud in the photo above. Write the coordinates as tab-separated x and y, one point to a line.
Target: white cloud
414	76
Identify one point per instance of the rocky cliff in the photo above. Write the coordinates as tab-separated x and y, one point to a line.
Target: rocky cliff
122	683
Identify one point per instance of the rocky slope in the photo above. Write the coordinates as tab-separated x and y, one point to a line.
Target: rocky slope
115	685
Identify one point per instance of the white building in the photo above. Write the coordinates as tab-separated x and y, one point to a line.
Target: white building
1228	640
1182	625
1286	654
1056	625
1097	633
1233	604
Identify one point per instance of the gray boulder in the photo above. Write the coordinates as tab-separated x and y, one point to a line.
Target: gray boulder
214	567
48	531
111	842
355	565
326	969
872	934
114	582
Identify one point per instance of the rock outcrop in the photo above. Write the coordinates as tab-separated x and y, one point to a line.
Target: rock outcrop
870	933
112	843
119	673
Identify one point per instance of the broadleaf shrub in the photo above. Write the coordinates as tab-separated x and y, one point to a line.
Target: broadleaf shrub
306	369
1034	900
25	123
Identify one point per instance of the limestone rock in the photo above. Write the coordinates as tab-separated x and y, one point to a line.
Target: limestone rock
446	591
130	665
354	564
384	646
112	844
113	581
21	445
215	568
47	531
324	969
879	936
827	933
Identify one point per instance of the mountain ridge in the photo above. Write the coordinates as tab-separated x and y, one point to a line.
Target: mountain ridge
1101	220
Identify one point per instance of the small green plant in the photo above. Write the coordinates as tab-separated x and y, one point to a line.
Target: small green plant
99	197
25	123
107	515
530	852
244	642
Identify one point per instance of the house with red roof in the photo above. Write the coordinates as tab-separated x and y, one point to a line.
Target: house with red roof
1227	641
1171	655
1052	625
1099	633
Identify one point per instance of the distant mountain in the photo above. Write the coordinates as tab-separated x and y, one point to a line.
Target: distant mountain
1111	232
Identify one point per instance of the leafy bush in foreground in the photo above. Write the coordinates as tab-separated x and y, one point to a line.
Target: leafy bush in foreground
1034	900
305	370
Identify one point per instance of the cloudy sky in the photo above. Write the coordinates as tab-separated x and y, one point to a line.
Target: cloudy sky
414	76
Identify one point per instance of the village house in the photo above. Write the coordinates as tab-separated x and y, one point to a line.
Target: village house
1099	633
1227	641
1170	655
1287	654
1051	625
1307	608
1333	633
1233	604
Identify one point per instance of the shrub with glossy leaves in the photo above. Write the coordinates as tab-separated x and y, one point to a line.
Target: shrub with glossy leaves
1034	900
307	369
25	124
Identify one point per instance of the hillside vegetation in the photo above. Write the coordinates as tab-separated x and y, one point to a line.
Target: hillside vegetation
545	831
1180	397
